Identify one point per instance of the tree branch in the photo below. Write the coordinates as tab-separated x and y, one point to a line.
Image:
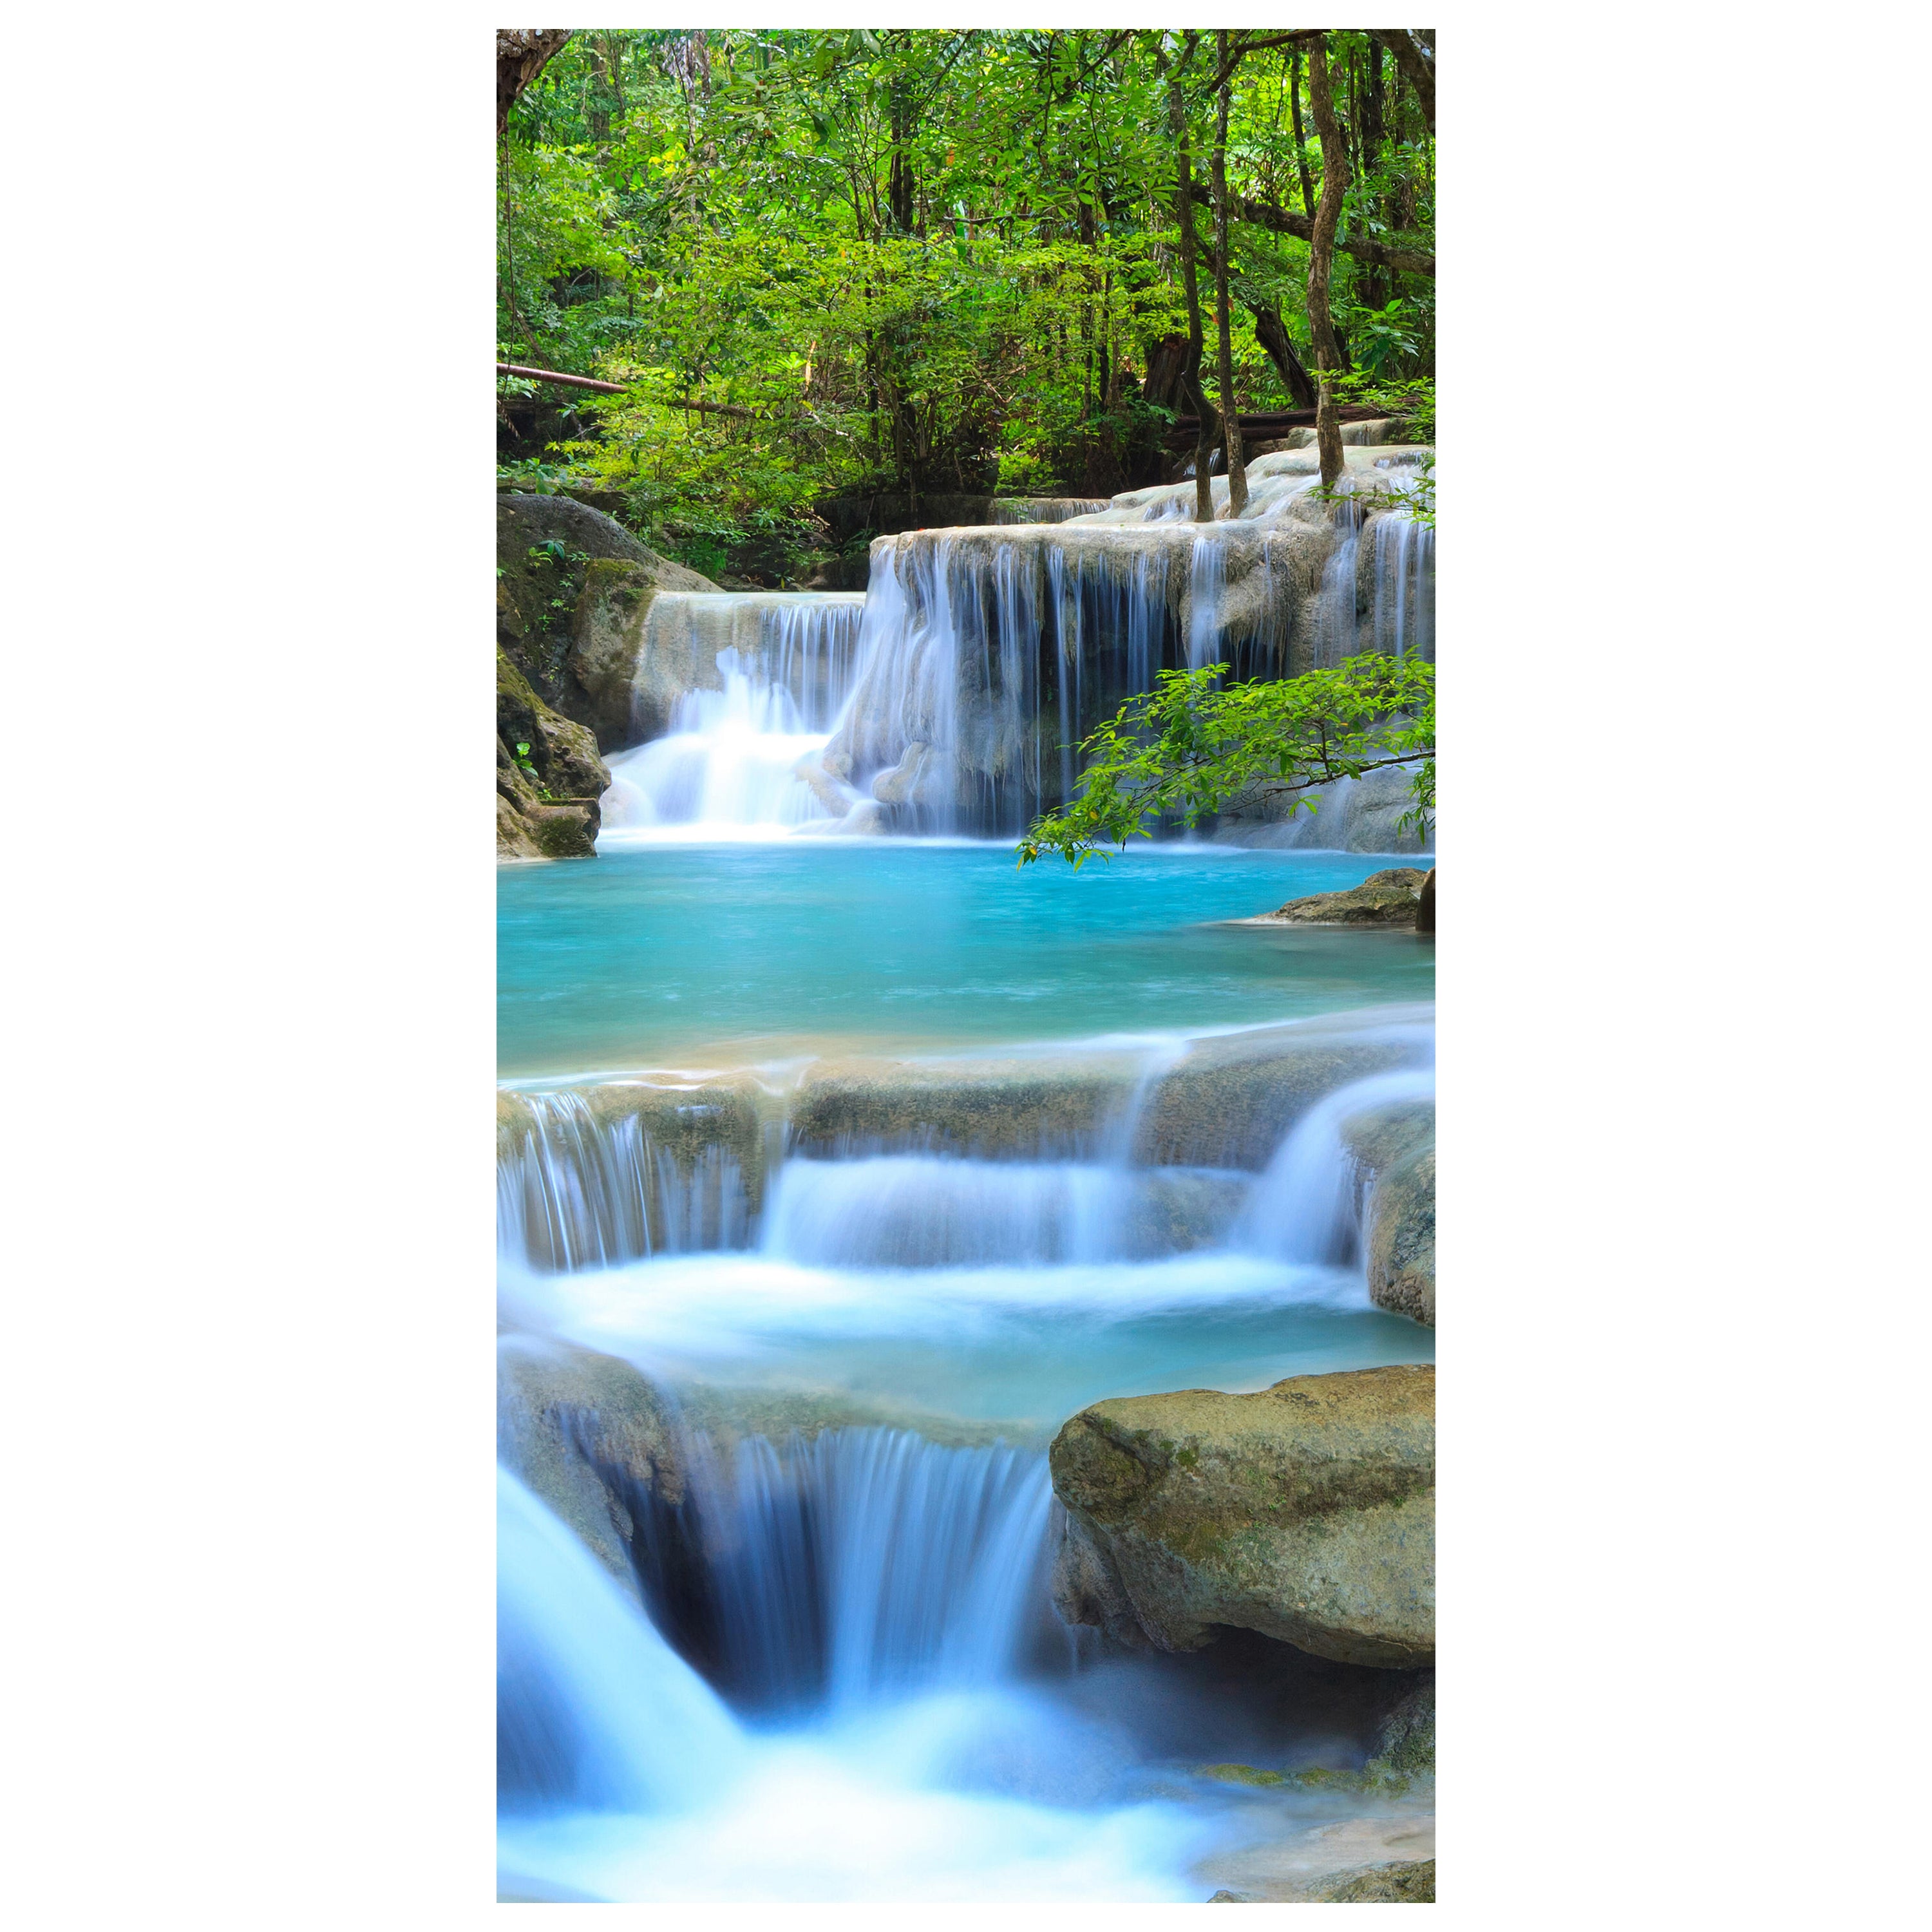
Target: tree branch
522	54
1299	37
1417	62
1281	221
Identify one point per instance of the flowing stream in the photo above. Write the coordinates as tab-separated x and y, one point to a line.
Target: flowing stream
879	1161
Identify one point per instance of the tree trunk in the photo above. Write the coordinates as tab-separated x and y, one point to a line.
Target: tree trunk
1231	407
1272	334
522	54
899	181
1417	60
1204	445
1371	131
1321	262
1286	221
1300	135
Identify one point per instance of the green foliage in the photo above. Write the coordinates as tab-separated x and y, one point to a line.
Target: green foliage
901	260
1188	747
1412	491
1413	399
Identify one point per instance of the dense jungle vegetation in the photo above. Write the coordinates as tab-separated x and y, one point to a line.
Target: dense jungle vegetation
826	265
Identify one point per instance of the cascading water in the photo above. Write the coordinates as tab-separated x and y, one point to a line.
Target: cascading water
730	763
1336	632
868	1600
868	1564
1047	509
594	1710
1304	1206
1405	587
950	701
850	1682
1206	578
580	1192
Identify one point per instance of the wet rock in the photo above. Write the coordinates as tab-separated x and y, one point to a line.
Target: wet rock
581	1168
911	782
1394	1149
1385	1857
548	776
1410	1883
1058	1106
1363	814
866	819
1383	899
590	1435
826	789
1405	1747
1425	905
1229	1100
1305	1512
1400	1237
573	586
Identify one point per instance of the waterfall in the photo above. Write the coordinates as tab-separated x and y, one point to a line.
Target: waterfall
1046	509
1206	579
1405	587
929	1210
982	663
581	1192
1303	1207
594	1710
785	662
1335	629
898	729
869	1563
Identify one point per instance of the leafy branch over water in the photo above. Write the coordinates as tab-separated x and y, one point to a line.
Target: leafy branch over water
1188	748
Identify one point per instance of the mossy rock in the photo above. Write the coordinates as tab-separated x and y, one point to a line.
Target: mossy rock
1408	1883
721	1132
1305	1512
1240	1773
547	795
585	1430
1395	1150
1388	898
553	556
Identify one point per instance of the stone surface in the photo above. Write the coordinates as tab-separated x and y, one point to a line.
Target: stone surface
547	796
1405	1747
1228	1101
588	1433
1306	1512
1352	815
1384	1858
571	618
700	1148
1411	1883
1395	1154
1383	899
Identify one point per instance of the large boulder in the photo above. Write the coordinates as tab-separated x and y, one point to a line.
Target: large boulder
1394	1149
549	776
1389	898
590	1436
573	588
1306	1512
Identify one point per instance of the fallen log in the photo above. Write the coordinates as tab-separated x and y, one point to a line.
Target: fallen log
554	376
617	389
1271	422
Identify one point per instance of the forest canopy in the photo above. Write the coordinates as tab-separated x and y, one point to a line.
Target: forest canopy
820	263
